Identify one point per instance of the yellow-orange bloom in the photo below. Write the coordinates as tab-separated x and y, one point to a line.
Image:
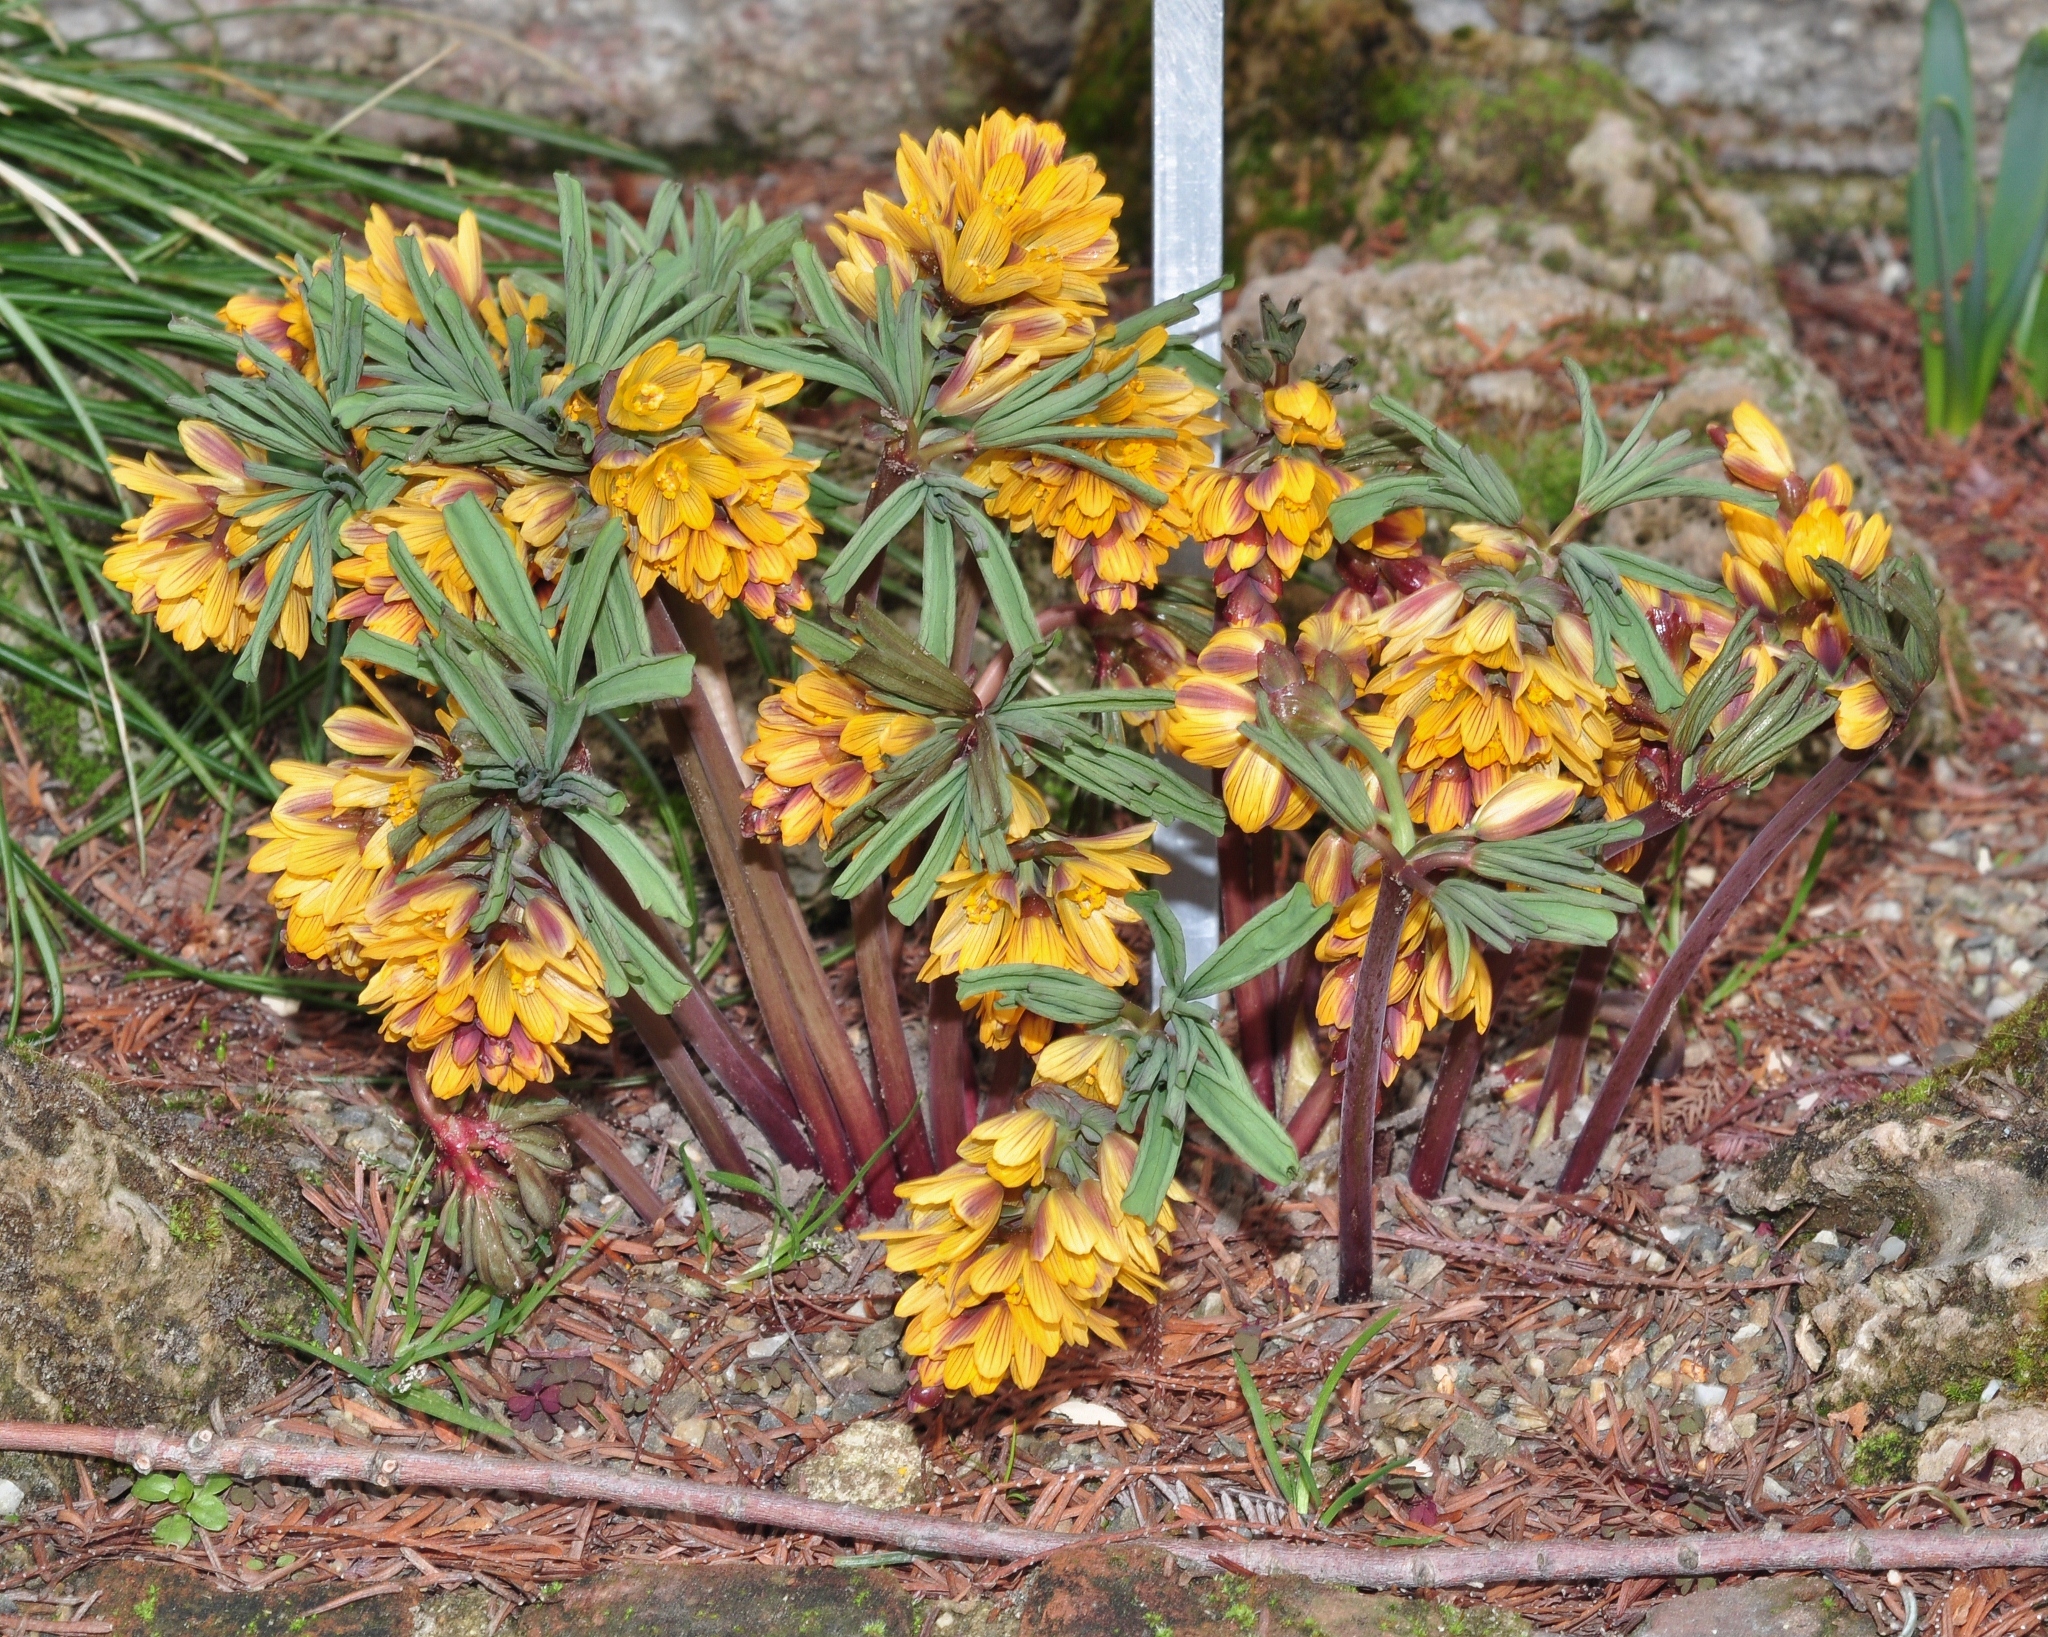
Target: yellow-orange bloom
177	561
818	742
1010	1271
1303	413
458	262
370	593
491	1012
1256	529
1061	907
994	217
1089	1065
1861	715
722	509
1107	539
1756	452
1425	987
1213	699
280	322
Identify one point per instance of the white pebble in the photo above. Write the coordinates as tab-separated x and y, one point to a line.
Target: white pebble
1709	1395
11	1497
279	1005
1884	909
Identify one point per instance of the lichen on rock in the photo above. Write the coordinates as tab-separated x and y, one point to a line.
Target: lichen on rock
1956	1165
123	1294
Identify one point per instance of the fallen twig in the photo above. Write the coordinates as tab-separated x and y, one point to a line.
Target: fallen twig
1403	1567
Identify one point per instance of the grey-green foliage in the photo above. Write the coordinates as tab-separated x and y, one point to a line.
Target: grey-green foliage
1978	273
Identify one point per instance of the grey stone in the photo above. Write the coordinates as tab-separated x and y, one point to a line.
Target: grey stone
811	78
2020	1430
122	1290
1676	1163
1780	1606
879	1340
1956	1154
871	1463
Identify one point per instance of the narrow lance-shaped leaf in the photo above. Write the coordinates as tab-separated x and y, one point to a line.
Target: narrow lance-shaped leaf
1268	938
1050	991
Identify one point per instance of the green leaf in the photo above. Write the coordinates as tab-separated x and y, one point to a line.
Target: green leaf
1158	1159
1169	942
658	677
1015	616
173	1532
914	893
1135	782
877	529
1264	941
1222	1097
881	846
635	861
210	1512
488	554
1470	481
935	618
153	1488
1050	991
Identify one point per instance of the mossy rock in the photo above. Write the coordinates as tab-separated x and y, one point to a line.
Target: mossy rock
1957	1162
123	1294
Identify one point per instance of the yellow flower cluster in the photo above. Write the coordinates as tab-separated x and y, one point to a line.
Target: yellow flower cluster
1060	907
1771	564
1425	987
492	1008
1107	539
1014	1259
996	218
703	475
178	561
493	1005
818	743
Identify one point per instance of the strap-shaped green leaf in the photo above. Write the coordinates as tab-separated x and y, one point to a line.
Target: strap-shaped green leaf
940	594
1337	789
1169	942
1268	938
1228	1106
634	860
1135	782
583	593
488	554
1470	480
1015	616
1158	1158
877	529
915	891
878	851
643	682
1050	991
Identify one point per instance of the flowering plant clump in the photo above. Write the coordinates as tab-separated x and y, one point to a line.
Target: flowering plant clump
532	498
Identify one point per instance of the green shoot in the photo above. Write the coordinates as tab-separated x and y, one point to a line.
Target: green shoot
1293	1471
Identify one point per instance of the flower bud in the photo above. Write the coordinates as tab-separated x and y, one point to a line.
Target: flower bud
1524	805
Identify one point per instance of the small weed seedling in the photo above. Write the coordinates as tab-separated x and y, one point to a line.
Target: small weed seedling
1294	1472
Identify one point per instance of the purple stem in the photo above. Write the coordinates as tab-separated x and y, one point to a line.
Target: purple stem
1566	1071
1359	1109
1454	1076
1769	845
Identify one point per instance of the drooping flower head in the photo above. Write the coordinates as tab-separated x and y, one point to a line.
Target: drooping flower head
1772	563
819	742
1060	906
182	562
996	217
1110	539
1019	1248
1426	986
704	476
327	838
493	1006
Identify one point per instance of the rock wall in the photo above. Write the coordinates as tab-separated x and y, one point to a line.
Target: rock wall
809	78
1809	87
1823	87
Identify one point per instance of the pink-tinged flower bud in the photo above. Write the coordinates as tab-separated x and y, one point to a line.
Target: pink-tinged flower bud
360	732
1756	452
1525	805
1861	716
